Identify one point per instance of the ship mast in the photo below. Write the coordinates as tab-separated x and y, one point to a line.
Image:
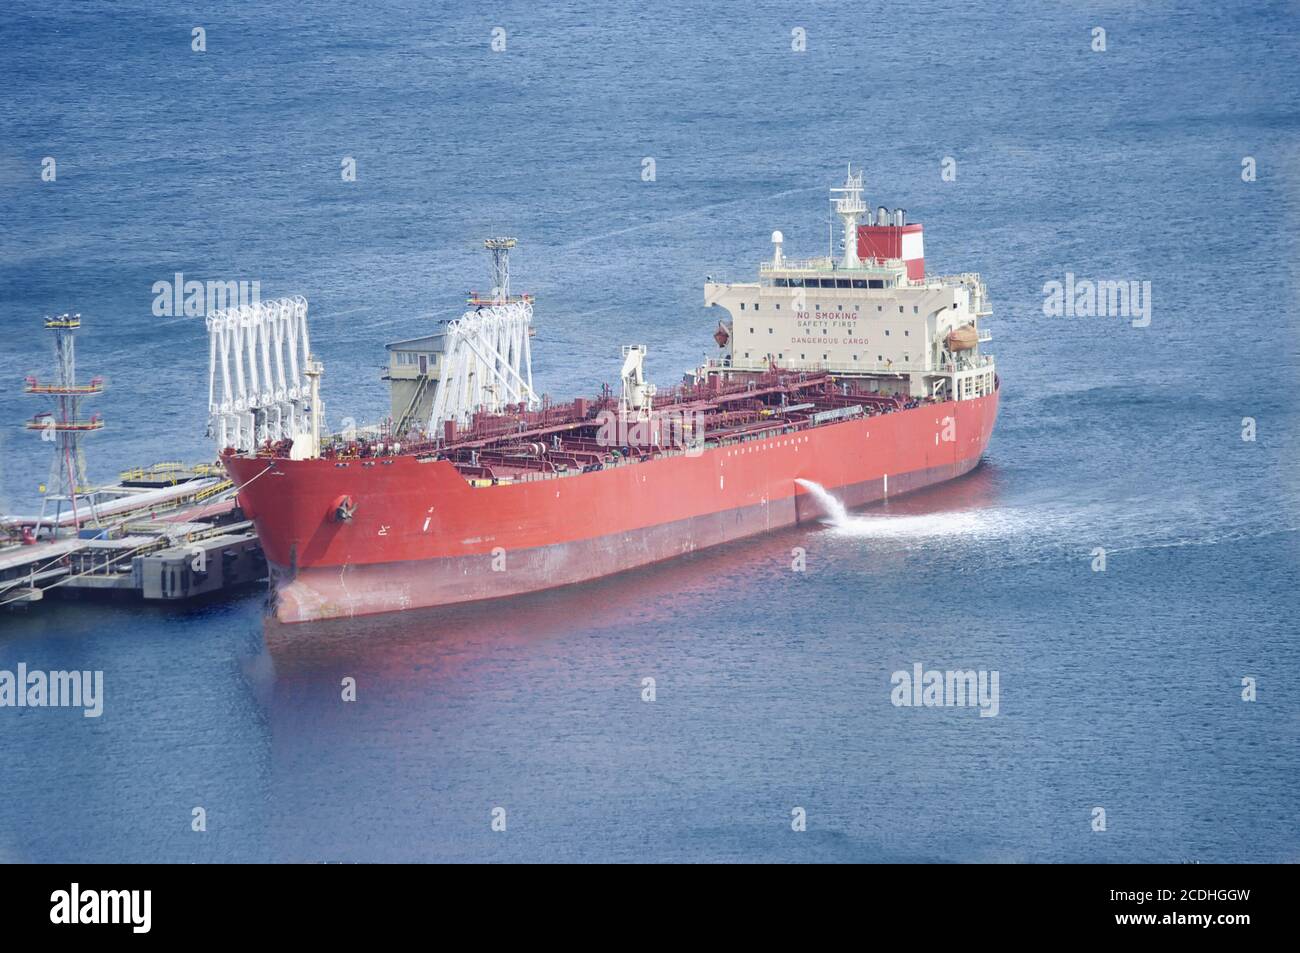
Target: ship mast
849	205
500	249
487	362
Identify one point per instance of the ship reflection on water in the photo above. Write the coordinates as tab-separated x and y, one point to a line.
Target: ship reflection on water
536	703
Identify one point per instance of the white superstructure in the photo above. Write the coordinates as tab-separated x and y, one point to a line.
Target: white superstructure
873	312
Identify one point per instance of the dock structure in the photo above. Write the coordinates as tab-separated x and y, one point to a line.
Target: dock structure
154	542
170	531
165	532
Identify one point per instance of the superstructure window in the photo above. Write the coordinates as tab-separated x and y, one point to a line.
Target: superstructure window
842	283
875	283
859	282
779	282
742	306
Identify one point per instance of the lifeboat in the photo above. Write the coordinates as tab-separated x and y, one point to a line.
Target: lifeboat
963	338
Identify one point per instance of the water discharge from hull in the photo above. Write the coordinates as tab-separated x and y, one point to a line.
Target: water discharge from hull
836	513
978	523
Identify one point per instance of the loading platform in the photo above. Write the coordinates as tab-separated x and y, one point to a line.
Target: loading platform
168	532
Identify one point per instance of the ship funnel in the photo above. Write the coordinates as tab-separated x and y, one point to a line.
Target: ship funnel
882	216
777	240
900	218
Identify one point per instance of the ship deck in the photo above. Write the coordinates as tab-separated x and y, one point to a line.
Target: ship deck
591	434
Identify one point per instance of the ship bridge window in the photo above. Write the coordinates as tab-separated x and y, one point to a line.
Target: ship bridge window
842	283
796	282
828	282
859	282
875	283
780	282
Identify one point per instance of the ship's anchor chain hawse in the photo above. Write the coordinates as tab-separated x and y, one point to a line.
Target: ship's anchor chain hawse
344	507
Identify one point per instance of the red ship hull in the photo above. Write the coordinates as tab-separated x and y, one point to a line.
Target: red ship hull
421	535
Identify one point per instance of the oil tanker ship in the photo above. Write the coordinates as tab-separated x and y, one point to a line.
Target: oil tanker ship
856	371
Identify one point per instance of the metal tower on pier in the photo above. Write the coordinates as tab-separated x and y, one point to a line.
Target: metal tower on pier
64	427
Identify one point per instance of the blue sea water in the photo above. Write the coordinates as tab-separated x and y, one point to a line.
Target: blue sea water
1118	689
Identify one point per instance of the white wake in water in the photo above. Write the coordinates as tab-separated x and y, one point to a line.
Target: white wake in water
989	523
1040	529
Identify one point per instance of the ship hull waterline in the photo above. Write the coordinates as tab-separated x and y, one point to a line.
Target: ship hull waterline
421	536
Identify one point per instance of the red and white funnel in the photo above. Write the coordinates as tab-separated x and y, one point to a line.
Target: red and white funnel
892	237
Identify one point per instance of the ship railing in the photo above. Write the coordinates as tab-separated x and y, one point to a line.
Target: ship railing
851	368
824	367
798	264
